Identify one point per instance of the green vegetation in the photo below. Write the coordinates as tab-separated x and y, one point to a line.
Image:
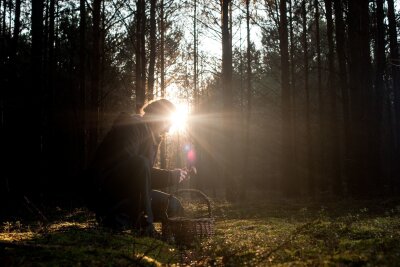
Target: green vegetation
284	233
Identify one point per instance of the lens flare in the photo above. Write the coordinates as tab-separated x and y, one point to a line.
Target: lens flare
179	119
191	156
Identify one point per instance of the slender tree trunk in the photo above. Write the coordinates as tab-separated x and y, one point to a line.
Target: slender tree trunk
4	16
17	28
102	62
377	99
162	77
37	43
49	70
249	103
82	82
1	18
395	62
379	53
289	185
143	49
293	91
340	49
227	99
163	148
322	179
162	49
195	63
242	108
196	181
292	49
362	167
51	63
311	181
3	136
140	55
95	80
46	46
333	126
153	41
10	19
35	108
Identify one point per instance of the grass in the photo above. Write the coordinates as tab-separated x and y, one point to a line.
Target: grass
262	233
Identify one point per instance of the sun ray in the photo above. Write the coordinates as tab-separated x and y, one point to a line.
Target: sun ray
179	119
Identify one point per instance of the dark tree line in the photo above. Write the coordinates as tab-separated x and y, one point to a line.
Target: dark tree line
355	85
68	68
310	109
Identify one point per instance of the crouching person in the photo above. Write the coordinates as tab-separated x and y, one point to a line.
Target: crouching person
126	185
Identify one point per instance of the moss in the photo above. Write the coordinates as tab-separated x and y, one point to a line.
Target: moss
247	234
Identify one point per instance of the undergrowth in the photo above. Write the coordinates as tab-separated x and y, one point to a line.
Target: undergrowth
253	233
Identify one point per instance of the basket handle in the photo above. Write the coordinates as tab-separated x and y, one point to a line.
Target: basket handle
198	192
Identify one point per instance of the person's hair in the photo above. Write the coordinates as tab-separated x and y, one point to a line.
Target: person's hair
160	107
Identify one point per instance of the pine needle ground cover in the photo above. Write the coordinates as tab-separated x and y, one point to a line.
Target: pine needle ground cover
262	233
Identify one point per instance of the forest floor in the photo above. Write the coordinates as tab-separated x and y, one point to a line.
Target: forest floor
253	233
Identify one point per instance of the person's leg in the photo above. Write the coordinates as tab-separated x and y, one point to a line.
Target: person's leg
129	189
141	186
117	199
159	203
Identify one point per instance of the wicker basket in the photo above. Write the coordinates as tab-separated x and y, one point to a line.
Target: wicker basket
187	231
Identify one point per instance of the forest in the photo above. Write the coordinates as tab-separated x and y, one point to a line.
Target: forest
292	108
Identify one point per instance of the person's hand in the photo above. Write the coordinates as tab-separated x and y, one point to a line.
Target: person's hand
192	170
184	175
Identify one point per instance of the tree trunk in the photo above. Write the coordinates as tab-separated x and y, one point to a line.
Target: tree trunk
249	104
82	82
34	130
360	87
143	50
37	42
153	41
195	62
227	100
395	61
4	17
310	165
95	80
289	185
293	91
334	179
340	49
196	181
163	148
17	28
320	139
51	63
140	54
376	112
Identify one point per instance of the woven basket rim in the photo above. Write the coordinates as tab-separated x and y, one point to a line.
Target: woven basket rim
187	219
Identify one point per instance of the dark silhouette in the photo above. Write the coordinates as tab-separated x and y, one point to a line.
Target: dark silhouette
122	173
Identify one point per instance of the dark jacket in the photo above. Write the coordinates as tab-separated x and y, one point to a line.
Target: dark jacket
129	139
131	136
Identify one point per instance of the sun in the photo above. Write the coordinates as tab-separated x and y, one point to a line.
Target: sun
179	119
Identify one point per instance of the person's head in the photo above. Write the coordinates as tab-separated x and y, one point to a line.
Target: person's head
159	113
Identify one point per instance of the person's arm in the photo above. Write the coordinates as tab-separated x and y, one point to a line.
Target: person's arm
161	178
